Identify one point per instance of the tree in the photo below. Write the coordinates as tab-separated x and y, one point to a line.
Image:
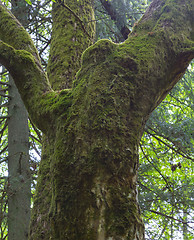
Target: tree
120	19
114	19
19	187
20	179
87	179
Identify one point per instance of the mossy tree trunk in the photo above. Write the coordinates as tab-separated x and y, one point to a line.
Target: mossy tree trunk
87	180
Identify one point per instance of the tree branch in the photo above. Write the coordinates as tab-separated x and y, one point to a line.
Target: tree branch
13	33
19	55
179	150
29	77
167	216
119	21
76	16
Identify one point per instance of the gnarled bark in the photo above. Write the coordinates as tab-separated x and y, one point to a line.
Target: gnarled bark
93	130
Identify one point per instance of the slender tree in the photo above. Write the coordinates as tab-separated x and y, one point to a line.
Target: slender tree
19	191
118	17
19	187
87	179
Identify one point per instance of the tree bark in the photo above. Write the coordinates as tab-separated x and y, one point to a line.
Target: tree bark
73	30
87	179
19	188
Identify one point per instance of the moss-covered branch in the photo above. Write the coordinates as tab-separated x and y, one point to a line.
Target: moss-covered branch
13	33
156	54
19	55
42	103
30	79
168	27
69	40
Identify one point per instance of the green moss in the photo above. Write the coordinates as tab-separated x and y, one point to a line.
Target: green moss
57	103
40	216
95	52
94	157
13	33
69	42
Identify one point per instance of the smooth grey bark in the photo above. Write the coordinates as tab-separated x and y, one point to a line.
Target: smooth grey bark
19	193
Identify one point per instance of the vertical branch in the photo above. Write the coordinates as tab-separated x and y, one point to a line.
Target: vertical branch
69	42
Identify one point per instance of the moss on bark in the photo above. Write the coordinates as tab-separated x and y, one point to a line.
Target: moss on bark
87	180
70	38
95	160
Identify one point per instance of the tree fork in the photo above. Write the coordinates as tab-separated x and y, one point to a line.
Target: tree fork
91	149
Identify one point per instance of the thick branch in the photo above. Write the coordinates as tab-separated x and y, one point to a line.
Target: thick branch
19	55
13	33
30	79
154	57
71	21
169	28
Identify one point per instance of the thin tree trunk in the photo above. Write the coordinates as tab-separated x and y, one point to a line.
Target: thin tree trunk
118	17
172	212
185	227
19	191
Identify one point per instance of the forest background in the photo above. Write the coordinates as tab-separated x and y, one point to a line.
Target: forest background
166	152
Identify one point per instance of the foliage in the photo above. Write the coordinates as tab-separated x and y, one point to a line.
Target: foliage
166	170
129	10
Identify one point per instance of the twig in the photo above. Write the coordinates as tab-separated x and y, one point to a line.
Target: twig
174	149
167	216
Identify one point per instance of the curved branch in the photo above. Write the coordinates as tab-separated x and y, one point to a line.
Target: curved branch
13	33
29	77
167	30
19	55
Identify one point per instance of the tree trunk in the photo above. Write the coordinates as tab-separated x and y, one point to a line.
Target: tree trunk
19	190
19	187
185	224
87	180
